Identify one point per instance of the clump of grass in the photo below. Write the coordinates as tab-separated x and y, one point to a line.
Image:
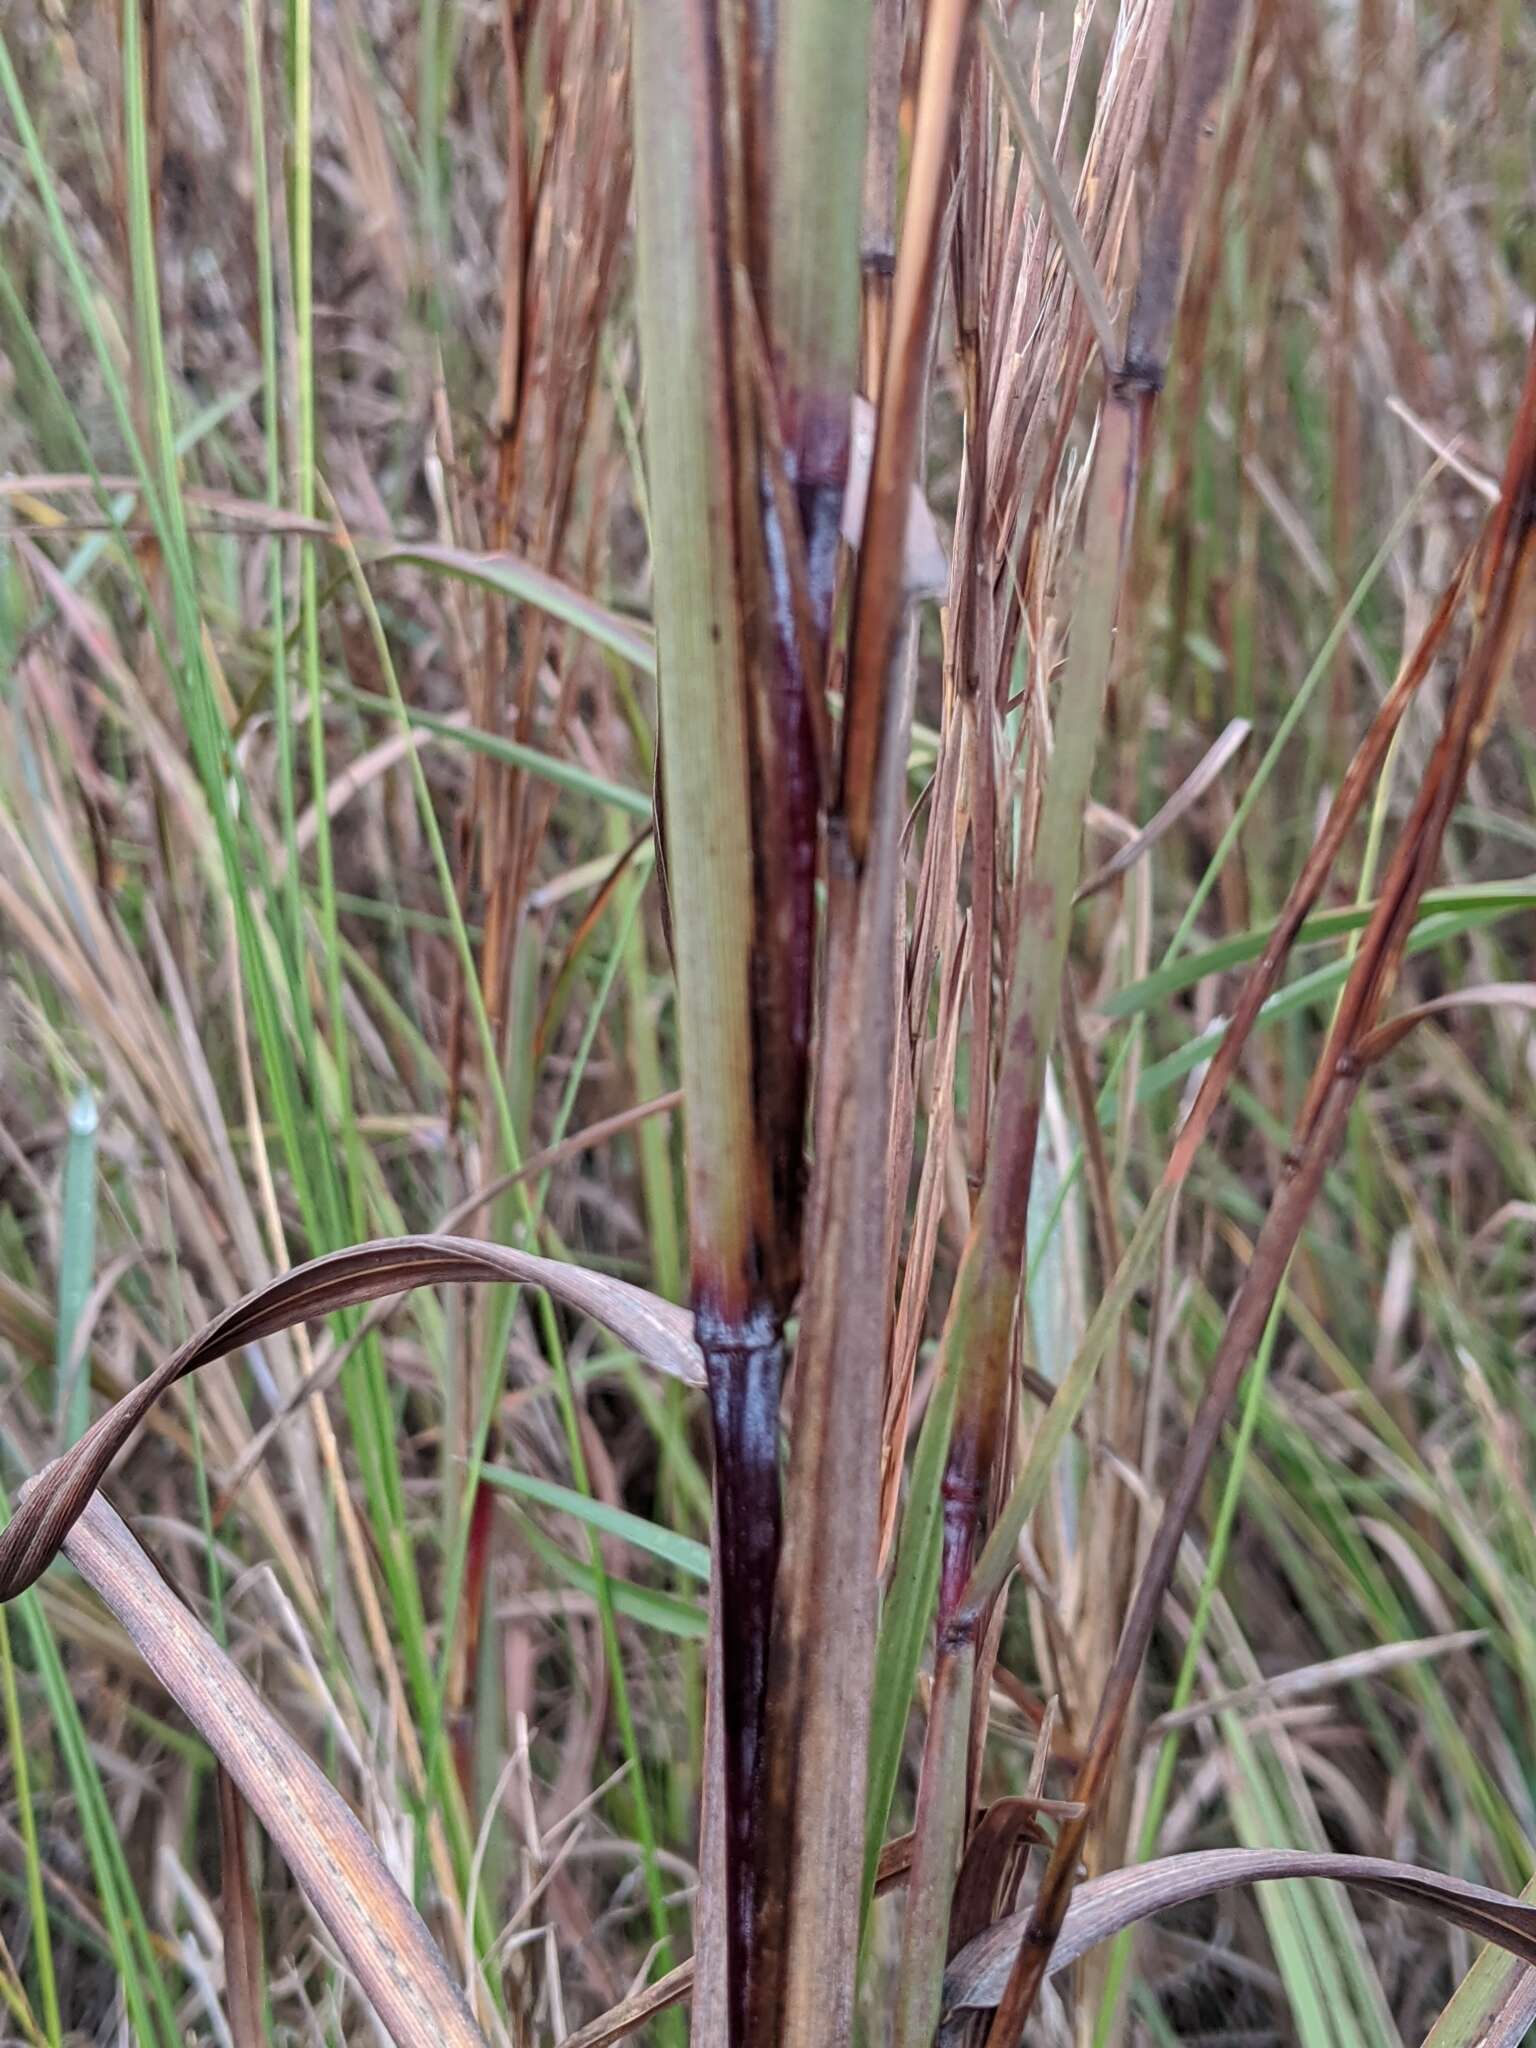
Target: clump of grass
983	1402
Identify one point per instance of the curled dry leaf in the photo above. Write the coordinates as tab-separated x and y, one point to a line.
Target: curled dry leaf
1519	995
1106	1906
657	1331
383	1938
1183	800
329	1362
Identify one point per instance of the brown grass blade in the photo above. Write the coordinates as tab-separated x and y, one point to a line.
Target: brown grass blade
634	2012
1309	1678
656	1330
241	1920
880	592
995	1859
1493	995
1188	794
1042	162
1105	1906
383	1938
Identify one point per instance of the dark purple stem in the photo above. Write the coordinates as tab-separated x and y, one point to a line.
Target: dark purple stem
744	1363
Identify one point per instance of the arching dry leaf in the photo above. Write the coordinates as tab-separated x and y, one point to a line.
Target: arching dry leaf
660	1333
1519	995
1107	1905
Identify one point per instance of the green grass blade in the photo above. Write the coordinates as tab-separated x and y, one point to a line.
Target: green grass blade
567	775
680	1551
520	583
644	1604
26	1822
904	1622
1483	901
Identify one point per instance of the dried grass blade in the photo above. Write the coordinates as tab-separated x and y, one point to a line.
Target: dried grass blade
1105	1906
383	1938
1309	1678
656	1330
1042	162
1492	995
632	2013
1188	793
241	1920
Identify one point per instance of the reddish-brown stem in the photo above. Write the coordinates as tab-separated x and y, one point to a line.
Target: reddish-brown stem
877	254
1308	886
879	593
